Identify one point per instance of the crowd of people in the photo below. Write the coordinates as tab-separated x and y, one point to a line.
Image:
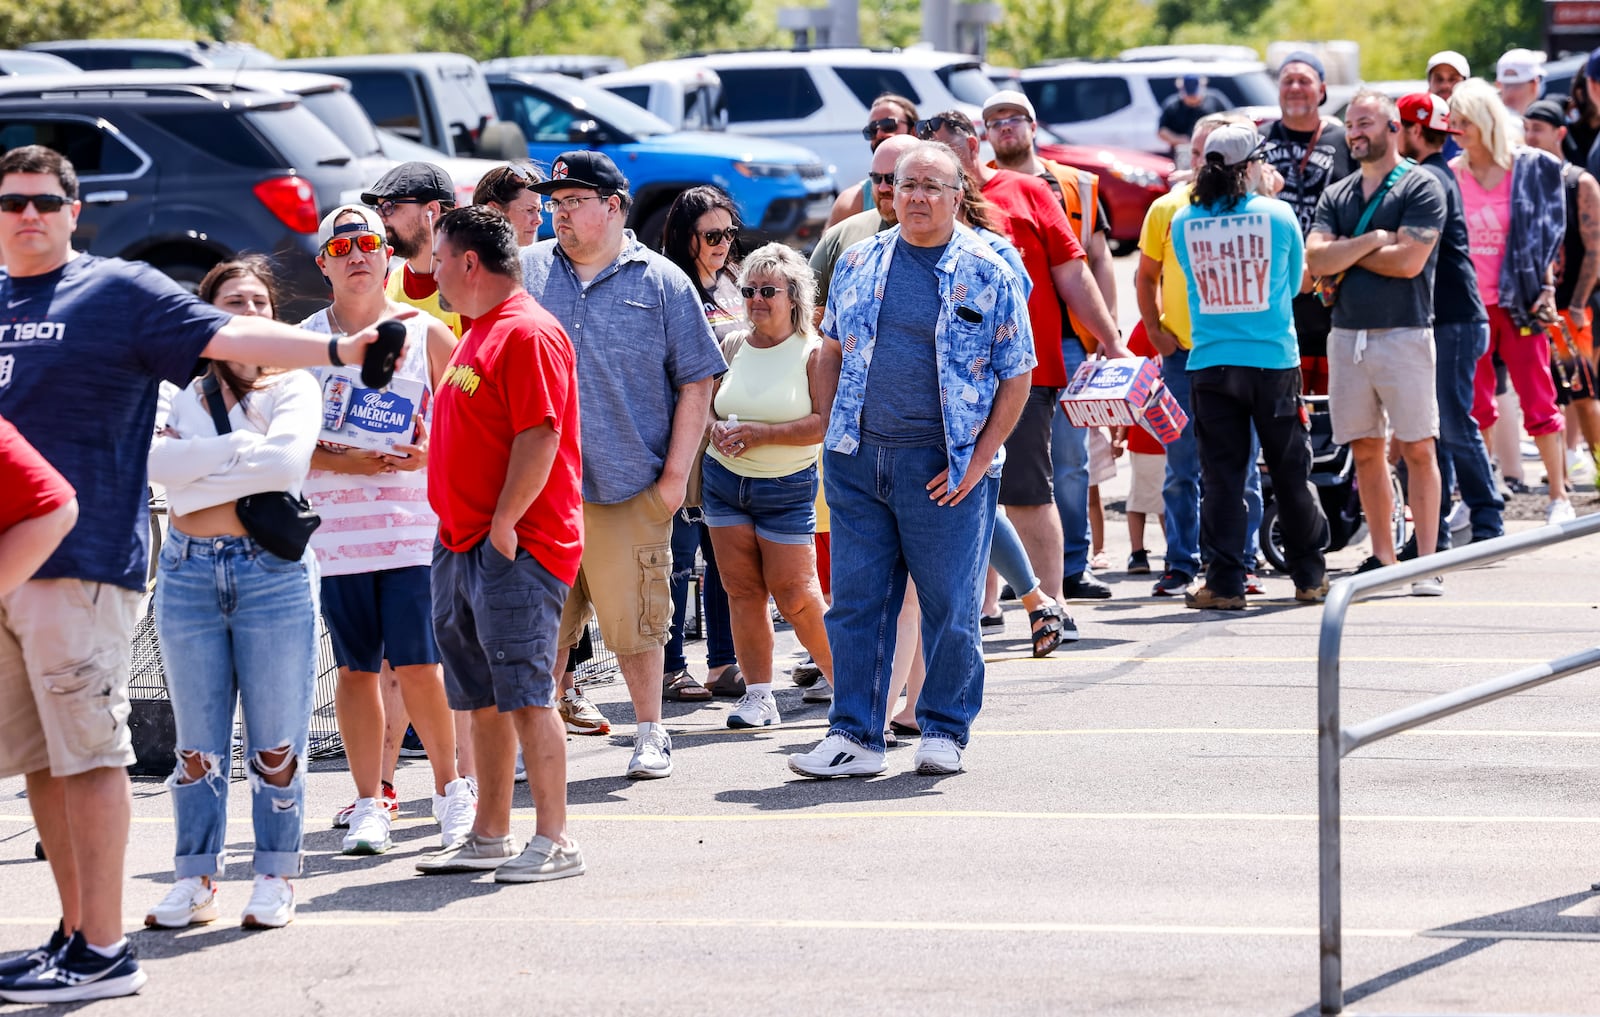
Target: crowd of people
582	431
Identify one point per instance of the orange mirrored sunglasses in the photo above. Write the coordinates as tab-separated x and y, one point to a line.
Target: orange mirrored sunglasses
338	247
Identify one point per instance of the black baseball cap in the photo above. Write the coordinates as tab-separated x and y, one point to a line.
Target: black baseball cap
412	180
583	168
1547	110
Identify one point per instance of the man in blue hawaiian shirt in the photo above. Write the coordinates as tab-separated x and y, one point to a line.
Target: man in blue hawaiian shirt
937	352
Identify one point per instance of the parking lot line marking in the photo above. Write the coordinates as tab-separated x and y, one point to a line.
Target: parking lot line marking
1247	731
1092	658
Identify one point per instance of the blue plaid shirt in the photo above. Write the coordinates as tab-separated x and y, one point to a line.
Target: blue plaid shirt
973	355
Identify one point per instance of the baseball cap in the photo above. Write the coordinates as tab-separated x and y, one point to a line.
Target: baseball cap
1591	70
370	223
583	168
1426	109
1008	97
1233	143
1311	60
1190	83
1548	110
1518	66
1449	58
412	180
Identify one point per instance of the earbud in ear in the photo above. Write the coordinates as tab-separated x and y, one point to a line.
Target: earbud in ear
1393	127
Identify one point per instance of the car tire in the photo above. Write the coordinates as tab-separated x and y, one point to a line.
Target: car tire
653	227
187	274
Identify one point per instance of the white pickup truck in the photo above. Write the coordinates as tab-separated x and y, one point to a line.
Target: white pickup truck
687	96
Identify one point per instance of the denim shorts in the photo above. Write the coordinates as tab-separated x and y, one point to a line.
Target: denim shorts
378	616
496	621
782	509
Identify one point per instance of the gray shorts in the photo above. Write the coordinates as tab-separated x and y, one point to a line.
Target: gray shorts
1382	379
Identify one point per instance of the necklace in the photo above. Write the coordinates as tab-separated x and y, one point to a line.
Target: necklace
333	322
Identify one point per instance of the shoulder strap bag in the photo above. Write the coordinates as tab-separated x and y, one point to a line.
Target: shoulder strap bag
1326	287
280	522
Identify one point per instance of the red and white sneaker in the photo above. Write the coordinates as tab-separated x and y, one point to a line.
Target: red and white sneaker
391	801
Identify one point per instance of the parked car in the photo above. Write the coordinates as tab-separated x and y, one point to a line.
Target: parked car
783	192
1339	98
21	61
182	176
687	96
130	54
437	99
819	98
1118	102
1130	182
1558	75
573	66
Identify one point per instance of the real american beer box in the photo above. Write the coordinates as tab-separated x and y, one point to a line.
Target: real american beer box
1116	393
376	419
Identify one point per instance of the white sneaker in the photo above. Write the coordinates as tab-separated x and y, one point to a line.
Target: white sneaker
369	829
271	904
652	753
455	810
838	756
937	756
1460	517
190	902
1433	586
1560	511
821	691
755	709
519	775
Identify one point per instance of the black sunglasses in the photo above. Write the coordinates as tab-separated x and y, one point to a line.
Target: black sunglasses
886	125
933	125
767	292
716	238
881	179
45	203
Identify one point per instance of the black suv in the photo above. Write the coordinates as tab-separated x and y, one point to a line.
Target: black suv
183	177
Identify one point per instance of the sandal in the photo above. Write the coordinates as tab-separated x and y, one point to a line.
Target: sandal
730	683
992	621
908	730
1047	629
680	685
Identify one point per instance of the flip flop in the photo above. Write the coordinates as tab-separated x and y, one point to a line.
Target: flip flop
908	730
1047	629
992	621
680	685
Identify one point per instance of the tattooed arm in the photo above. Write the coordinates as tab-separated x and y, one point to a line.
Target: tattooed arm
1402	254
1589	227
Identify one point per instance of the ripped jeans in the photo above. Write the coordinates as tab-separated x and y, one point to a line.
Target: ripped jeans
238	626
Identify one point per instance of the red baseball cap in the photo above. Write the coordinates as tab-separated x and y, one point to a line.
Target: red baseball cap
1426	109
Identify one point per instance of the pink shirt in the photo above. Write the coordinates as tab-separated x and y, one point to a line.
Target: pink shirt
1488	223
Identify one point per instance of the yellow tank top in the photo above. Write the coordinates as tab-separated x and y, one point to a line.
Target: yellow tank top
768	386
395	287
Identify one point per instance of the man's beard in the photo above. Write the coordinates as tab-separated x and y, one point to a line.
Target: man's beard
405	247
1011	151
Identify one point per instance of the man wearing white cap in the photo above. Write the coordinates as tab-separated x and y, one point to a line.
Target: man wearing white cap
1518	75
1446	70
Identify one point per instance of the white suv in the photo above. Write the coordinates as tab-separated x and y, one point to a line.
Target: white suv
1118	102
819	99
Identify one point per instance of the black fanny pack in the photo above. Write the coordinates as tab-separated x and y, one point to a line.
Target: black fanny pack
280	522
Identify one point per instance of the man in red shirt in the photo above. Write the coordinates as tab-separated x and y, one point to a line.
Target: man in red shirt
505	479
37	509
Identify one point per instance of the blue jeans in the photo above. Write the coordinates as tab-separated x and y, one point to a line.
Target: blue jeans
238	627
1180	495
1463	459
1069	454
689	532
1252	502
1010	558
885	527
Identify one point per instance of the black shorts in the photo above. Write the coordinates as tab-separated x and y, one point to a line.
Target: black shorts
1028	476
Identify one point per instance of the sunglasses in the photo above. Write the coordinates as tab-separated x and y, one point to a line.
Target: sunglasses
933	125
387	206
367	243
716	238
881	179
1016	120
767	292
887	125
45	203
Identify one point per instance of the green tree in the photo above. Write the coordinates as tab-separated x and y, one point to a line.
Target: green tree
22	22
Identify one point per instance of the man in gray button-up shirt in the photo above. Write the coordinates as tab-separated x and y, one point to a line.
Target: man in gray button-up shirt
646	360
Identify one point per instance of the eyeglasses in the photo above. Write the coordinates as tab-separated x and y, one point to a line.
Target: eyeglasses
1016	120
44	203
932	188
886	125
716	238
881	179
387	206
554	205
366	243
523	173
767	292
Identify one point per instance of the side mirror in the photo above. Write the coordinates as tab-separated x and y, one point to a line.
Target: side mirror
585	132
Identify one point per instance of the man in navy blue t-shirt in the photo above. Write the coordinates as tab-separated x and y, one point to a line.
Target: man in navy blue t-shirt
84	345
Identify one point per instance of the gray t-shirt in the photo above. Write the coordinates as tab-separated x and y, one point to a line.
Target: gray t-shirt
1366	299
901	408
640	332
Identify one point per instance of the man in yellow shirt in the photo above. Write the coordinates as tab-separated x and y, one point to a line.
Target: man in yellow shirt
410	198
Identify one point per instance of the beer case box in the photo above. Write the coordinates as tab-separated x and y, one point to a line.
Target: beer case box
1111	393
1163	417
375	419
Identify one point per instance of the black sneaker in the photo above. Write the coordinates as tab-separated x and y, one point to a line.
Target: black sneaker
411	745
1172	583
22	964
1372	564
1084	586
1139	563
76	973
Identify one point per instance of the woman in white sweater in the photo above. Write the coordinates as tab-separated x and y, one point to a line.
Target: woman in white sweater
238	624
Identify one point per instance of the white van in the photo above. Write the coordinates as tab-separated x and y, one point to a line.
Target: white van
686	95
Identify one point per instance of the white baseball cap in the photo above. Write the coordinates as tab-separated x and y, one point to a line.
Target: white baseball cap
1519	66
1008	97
1449	58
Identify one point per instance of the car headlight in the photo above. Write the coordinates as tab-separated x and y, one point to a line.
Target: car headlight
757	170
1136	175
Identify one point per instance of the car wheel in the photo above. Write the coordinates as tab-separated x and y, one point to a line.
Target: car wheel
186	273
654	227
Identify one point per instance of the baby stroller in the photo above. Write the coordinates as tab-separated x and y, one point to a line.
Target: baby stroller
1333	473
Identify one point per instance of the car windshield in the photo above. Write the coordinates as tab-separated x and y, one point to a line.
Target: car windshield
615	110
967	82
345	118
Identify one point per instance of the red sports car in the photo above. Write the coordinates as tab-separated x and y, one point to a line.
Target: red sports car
1130	182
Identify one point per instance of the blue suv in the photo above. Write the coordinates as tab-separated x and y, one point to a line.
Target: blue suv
784	193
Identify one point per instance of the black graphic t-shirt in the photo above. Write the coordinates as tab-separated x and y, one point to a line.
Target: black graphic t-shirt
1328	162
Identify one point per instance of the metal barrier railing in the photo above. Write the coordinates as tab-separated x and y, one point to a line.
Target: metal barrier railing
1335	742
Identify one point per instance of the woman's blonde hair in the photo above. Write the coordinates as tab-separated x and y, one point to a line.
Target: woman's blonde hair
781	261
1475	101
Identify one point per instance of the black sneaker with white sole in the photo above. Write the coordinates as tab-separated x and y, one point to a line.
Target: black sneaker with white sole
23	963
75	973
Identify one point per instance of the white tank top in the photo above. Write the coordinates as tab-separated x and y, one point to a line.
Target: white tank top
371	524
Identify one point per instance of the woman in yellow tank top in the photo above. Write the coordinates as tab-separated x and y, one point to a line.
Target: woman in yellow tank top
760	471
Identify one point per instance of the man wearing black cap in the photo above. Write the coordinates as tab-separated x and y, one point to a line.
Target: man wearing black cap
646	360
1309	151
1182	110
411	198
